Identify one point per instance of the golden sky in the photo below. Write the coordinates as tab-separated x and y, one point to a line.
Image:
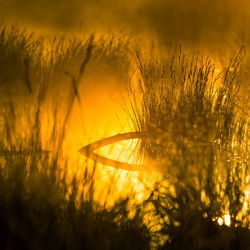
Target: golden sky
168	20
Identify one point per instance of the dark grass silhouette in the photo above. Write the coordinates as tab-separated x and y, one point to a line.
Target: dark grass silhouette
201	132
40	207
203	151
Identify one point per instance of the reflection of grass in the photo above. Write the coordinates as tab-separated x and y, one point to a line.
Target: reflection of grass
202	149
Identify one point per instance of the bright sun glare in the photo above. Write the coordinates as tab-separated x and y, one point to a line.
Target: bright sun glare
226	219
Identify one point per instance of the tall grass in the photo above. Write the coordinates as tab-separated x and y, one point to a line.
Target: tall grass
199	130
200	133
40	205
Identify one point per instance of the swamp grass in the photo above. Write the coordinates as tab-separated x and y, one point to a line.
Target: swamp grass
200	142
41	207
203	151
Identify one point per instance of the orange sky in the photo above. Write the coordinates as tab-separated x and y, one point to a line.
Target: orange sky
190	21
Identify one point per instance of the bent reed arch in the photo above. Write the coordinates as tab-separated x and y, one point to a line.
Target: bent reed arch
88	151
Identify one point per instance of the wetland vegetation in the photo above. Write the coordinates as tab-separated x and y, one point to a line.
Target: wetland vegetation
194	109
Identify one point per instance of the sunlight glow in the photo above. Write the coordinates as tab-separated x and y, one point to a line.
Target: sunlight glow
226	219
123	151
220	221
101	122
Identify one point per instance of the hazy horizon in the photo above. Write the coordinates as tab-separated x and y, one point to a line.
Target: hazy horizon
216	23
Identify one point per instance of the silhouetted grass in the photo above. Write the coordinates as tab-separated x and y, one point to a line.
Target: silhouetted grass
41	207
202	152
200	133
